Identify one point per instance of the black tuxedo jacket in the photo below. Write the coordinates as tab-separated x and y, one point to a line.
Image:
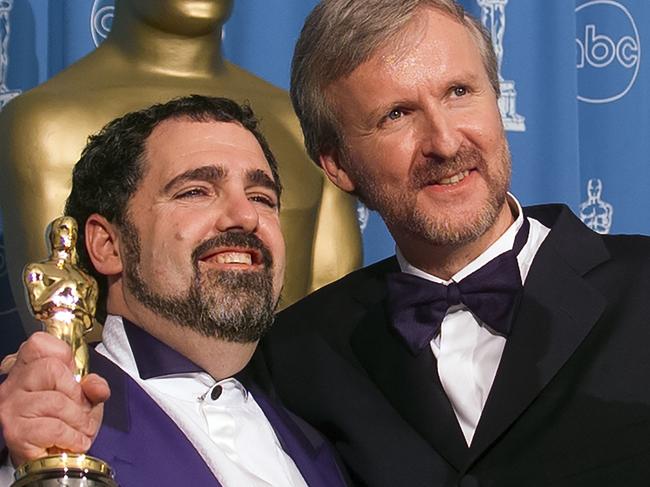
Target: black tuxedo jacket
570	404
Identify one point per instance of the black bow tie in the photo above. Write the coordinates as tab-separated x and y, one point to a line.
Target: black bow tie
417	306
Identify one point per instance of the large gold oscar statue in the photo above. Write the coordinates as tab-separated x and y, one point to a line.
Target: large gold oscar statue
157	50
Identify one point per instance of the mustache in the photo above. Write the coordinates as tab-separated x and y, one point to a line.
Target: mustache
234	239
431	170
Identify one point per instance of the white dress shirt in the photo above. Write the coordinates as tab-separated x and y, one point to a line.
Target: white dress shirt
466	350
230	432
228	428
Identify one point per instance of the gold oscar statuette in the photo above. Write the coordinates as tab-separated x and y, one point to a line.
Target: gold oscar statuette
63	298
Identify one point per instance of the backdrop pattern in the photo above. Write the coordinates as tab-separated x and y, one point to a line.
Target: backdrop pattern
575	95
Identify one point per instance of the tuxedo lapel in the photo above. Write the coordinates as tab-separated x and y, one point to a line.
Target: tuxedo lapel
410	383
137	438
306	447
557	311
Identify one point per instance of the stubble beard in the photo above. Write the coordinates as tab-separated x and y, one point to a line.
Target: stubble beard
235	306
399	209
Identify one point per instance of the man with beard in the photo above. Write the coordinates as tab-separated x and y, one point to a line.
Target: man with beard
501	346
180	206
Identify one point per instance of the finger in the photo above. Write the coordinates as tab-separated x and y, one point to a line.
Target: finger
95	388
40	345
47	374
7	363
43	434
55	405
96	416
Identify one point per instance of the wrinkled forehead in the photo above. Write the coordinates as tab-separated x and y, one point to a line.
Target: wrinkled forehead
179	145
424	24
433	44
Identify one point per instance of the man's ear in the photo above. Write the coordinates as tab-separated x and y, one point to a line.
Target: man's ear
102	245
330	161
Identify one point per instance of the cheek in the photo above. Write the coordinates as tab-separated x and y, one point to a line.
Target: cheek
171	247
488	131
271	234
182	227
387	158
280	260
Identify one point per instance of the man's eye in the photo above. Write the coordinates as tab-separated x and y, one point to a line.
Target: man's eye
459	90
265	200
394	114
191	193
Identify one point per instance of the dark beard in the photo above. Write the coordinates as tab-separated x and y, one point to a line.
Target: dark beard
235	306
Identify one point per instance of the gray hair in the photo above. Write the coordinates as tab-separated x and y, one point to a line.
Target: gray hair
339	36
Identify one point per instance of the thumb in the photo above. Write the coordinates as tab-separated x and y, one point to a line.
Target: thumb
95	388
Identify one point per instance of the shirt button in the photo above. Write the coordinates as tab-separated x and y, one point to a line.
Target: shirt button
216	392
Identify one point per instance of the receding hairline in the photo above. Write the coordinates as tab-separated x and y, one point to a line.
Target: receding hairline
206	118
396	33
395	43
202	118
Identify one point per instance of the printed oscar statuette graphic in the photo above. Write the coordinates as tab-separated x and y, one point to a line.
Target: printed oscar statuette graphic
64	298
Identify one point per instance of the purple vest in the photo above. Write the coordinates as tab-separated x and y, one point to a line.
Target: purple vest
145	446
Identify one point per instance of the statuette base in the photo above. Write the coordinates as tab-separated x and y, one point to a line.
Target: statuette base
65	469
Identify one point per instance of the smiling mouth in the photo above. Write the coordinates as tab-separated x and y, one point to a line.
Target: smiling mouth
233	257
453	179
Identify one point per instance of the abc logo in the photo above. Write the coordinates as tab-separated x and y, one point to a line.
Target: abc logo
101	20
608	51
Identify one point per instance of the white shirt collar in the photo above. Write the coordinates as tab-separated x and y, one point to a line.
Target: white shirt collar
115	345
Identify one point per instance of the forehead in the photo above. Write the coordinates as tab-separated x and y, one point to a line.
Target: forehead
179	145
431	33
432	46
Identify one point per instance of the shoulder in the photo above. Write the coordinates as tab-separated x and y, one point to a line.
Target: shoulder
566	228
629	253
615	264
360	285
41	122
333	311
255	84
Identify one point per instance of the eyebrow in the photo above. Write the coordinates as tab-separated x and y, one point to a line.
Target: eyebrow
214	174
203	173
258	177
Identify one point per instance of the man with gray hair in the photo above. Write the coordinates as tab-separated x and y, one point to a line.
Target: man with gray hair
501	346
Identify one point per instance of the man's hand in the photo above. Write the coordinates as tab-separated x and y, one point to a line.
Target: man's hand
42	406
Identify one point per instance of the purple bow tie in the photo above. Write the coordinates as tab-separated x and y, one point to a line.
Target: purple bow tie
417	306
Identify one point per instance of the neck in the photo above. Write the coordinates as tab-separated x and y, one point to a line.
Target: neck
444	261
146	48
219	358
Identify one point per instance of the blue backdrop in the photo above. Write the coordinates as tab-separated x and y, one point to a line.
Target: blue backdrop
575	94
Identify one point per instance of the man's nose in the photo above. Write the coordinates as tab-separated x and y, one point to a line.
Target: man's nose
440	136
236	212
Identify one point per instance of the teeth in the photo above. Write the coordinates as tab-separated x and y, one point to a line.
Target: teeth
456	178
234	258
